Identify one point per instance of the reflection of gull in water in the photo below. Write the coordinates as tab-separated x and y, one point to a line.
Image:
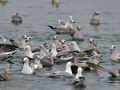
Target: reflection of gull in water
66	73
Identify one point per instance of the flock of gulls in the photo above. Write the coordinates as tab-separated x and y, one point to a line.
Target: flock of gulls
59	51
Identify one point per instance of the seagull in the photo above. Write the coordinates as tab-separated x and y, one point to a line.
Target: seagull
71	19
56	3
61	22
73	46
66	73
3	39
53	50
21	43
115	54
92	48
3	1
95	19
113	75
37	63
5	75
16	19
27	69
76	34
27	52
63	28
79	80
7	51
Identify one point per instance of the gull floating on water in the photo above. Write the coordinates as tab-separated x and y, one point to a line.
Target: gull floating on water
3	39
3	1
21	43
27	69
73	46
62	28
115	54
56	3
71	19
95	19
92	48
7	51
53	50
79	80
76	34
66	73
16	19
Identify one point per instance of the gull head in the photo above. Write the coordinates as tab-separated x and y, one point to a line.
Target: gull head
73	46
24	37
113	47
68	64
79	73
96	13
27	48
71	19
91	40
25	59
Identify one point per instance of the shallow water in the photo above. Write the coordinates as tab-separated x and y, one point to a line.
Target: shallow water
37	14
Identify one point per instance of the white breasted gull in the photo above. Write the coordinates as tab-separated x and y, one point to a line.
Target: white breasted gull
73	46
79	79
115	54
95	19
27	69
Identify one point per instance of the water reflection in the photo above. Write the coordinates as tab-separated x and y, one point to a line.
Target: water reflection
95	27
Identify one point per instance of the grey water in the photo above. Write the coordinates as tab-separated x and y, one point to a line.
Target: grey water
37	14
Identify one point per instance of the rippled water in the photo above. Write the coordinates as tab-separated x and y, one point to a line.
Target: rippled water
37	14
